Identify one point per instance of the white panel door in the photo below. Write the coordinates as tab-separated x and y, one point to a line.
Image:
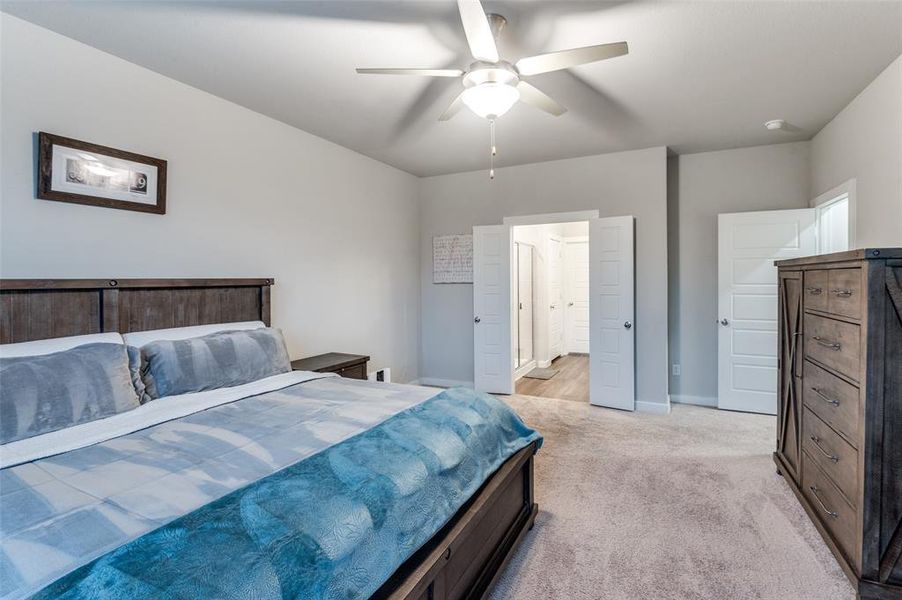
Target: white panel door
492	344
612	359
555	299
576	265
748	245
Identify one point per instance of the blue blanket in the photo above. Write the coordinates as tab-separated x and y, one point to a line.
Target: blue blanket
335	525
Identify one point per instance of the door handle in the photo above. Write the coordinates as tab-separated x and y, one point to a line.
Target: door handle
724	322
553	306
569	304
477	320
628	325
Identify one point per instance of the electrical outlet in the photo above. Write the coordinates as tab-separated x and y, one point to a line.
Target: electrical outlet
676	369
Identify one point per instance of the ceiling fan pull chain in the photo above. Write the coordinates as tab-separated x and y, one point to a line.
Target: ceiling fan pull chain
493	149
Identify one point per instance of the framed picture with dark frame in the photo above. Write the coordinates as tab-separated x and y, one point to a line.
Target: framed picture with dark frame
84	173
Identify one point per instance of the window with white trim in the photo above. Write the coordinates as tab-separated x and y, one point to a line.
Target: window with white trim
836	218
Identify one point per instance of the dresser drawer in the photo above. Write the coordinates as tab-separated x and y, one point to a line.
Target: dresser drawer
833	455
816	290
835	401
353	372
844	292
832	510
835	344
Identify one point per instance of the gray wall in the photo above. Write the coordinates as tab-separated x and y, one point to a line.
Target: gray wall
700	186
864	142
247	196
626	183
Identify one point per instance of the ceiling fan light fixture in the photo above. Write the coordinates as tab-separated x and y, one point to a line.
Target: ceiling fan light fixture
490	100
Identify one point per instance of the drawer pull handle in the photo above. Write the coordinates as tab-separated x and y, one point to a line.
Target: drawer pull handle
826	510
826	399
827	344
817	445
814	291
843	293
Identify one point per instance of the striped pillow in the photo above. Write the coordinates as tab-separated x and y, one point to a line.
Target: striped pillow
214	361
40	394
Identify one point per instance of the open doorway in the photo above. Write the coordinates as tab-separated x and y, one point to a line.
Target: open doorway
550	324
611	288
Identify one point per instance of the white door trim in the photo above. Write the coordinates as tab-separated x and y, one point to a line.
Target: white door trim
551	218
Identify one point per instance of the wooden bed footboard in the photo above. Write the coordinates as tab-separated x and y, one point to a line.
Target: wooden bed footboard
465	558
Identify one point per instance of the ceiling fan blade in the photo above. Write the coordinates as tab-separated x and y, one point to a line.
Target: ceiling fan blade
424	72
453	108
478	31
564	59
536	97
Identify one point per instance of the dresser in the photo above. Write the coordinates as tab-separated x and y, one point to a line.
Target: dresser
839	426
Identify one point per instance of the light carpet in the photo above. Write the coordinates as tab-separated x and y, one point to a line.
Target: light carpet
684	506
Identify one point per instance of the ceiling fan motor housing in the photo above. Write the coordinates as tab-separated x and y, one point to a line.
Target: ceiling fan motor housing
483	72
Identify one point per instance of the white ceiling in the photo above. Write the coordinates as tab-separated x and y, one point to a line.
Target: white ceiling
699	76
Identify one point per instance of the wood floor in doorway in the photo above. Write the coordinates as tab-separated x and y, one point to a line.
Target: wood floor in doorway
571	382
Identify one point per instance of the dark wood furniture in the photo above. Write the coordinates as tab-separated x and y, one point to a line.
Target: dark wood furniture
34	309
463	560
352	366
839	433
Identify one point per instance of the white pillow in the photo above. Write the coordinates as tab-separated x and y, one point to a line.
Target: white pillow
142	338
49	346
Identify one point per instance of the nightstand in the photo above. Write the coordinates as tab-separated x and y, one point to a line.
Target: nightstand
352	366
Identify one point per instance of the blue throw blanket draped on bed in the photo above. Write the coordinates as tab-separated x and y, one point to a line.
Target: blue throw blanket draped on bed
335	525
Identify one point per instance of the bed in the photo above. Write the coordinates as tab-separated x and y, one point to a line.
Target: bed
294	485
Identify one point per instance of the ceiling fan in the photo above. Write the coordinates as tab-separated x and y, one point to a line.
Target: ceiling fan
492	85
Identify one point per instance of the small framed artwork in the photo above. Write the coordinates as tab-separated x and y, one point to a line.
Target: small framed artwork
84	173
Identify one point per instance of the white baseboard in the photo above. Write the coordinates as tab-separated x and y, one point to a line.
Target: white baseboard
655	408
443	383
696	400
518	373
543	364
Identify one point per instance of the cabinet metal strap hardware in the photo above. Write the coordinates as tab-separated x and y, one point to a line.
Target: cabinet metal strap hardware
817	444
843	293
814	290
827	344
826	510
826	399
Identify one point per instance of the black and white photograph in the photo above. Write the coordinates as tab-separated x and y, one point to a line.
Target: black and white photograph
95	174
86	173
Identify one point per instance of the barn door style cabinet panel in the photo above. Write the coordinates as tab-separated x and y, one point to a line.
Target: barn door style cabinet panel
839	428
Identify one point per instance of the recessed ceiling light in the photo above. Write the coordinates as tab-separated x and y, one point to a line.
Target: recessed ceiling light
775	124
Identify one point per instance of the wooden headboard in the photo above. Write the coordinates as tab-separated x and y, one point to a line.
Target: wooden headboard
34	309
